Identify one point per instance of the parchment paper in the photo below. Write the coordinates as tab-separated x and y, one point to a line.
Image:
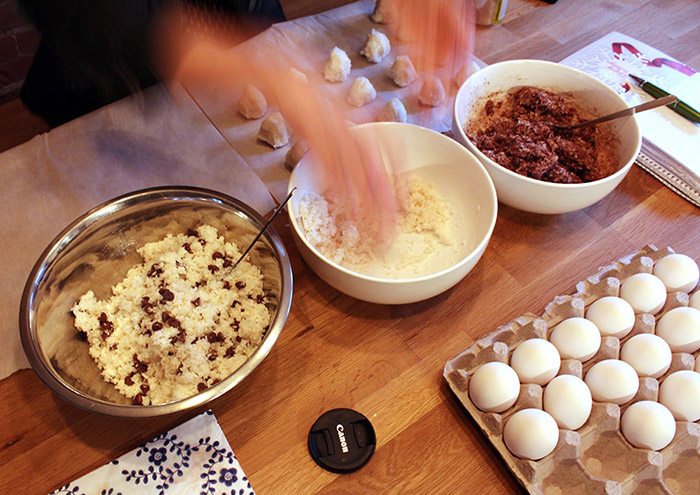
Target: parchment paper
314	37
142	141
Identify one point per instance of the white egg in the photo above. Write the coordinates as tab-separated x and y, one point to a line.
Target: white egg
645	292
648	354
536	361
612	380
678	272
494	387
531	434
568	400
680	392
648	425
576	338
680	327
695	300
612	315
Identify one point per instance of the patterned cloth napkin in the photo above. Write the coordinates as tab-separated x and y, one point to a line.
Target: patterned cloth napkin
193	458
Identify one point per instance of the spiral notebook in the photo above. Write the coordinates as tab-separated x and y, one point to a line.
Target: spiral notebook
671	143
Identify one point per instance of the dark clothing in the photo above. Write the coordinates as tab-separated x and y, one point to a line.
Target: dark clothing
94	52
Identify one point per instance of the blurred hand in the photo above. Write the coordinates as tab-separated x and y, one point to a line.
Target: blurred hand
355	173
438	35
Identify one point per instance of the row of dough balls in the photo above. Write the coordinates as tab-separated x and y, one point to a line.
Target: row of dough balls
567	402
402	73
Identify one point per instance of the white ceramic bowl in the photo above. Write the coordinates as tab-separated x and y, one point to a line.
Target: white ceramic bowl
460	179
534	195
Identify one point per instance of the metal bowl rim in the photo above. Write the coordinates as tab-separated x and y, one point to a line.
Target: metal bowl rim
61	241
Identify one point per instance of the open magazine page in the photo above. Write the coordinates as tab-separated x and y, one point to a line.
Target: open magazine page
671	142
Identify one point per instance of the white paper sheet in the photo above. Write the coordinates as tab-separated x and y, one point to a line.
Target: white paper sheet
142	141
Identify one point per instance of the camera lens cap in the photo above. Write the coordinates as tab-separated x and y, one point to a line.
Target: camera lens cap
342	440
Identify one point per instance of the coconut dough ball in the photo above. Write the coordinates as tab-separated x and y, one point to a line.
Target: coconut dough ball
295	154
648	354
274	131
680	327
464	72
536	361
531	434
612	380
612	315
402	72
376	47
494	387
338	66
695	300
381	13
576	338
432	93
645	292
393	111
568	399
252	104
678	272
361	92
680	392
648	425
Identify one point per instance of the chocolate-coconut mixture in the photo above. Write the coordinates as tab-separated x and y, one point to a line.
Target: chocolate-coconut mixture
517	130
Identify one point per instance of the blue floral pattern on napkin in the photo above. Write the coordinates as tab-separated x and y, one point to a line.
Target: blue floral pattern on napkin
192	458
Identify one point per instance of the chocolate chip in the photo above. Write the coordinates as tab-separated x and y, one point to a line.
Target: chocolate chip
166	294
260	298
217	255
196	302
155	271
212	355
213	268
227	285
236	324
138	399
202	242
201	386
186	246
235	303
139	365
128	380
145	388
200	283
240	284
192	233
230	352
238	338
113	347
146	305
156	326
228	262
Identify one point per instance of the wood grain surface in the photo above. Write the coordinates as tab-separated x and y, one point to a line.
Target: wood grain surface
386	361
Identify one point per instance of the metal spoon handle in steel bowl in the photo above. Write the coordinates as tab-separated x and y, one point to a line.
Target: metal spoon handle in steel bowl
659	102
264	228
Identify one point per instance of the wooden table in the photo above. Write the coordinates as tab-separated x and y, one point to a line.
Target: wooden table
387	361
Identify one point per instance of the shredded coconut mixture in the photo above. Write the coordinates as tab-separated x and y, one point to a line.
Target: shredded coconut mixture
179	322
423	221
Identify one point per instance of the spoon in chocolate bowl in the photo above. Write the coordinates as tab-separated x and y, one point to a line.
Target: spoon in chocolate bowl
659	102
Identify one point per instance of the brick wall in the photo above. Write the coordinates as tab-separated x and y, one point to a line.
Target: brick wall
18	42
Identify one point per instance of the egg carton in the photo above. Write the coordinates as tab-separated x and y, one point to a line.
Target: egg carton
596	458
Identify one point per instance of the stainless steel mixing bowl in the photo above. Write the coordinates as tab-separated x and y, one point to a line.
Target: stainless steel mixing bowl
96	251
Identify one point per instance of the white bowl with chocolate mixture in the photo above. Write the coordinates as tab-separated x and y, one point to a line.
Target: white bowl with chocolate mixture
506	115
138	308
447	213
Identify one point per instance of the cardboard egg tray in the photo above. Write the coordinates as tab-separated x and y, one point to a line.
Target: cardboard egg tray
596	458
